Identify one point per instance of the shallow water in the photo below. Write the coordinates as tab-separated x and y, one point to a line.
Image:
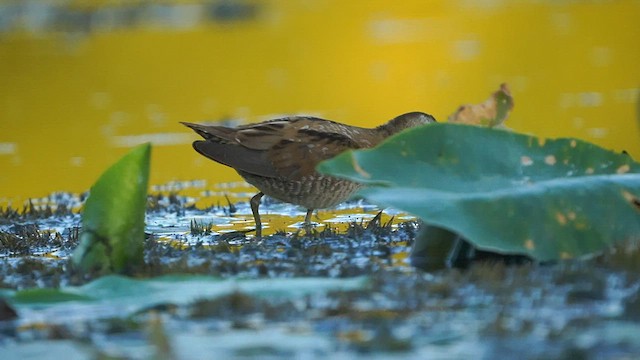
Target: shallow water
344	291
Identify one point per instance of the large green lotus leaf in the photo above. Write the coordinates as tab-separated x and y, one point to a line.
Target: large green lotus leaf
503	191
113	217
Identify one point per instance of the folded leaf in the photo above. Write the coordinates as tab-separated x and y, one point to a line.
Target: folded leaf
113	217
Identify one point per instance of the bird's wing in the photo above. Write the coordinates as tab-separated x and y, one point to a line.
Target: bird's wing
288	147
265	135
297	154
221	145
236	156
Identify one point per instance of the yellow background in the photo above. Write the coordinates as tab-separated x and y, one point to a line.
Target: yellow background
75	97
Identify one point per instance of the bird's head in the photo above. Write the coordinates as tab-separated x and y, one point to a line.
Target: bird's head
406	121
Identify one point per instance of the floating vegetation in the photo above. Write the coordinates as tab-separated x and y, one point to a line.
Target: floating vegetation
199	228
30	211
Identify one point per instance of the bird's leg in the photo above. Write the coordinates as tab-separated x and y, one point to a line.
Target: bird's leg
307	220
255	203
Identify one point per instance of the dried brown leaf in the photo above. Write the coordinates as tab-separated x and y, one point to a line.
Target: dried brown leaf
493	112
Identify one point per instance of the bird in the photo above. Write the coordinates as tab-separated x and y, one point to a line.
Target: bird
279	156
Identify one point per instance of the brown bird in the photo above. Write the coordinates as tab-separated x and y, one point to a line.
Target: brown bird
279	156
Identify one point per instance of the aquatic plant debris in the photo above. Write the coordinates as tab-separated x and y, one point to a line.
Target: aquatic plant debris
113	217
503	191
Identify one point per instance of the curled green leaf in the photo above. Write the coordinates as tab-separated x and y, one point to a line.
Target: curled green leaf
113	217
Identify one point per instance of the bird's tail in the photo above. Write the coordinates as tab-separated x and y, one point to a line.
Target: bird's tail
210	131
